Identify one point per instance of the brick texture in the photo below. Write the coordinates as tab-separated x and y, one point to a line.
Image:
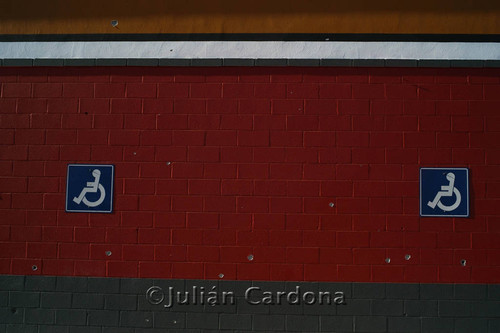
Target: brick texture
218	165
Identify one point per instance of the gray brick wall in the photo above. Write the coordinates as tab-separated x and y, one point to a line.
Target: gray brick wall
41	304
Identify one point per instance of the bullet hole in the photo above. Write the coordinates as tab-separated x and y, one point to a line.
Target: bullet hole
108	253
407	257
387	260
250	257
221	276
114	23
34	268
331	204
13	310
463	262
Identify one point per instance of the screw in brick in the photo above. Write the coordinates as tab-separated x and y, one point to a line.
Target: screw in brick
250	257
463	262
407	257
108	253
387	260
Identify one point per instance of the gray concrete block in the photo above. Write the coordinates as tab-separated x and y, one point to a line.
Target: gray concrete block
39	316
268	323
494	291
368	290
143	62
404	324
454	308
370	324
55	300
237	287
104	285
387	307
12	315
418	308
302	323
304	62
26	299
11	282
332	287
206	62
271	62
400	63
492	63
222	308
471	291
245	307
336	62
118	330
368	62
337	323
434	63
71	317
202	320
21	329
136	319
120	302
235	321
238	62
320	309
471	325
402	290
135	286
79	62
53	329
111	62
467	63
485	309
437	325
493	325
87	301
358	307
84	329
285	308
174	62
4	298
48	62
18	62
73	284
103	318
40	283
436	291
170	319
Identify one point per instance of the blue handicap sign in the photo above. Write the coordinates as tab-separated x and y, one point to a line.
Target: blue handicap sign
444	192
89	188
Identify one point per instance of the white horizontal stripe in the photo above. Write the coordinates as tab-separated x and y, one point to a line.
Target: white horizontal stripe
251	50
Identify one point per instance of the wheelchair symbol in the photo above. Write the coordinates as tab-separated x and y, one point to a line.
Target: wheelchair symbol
447	191
92	187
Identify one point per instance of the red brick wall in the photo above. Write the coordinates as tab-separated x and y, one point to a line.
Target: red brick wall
215	164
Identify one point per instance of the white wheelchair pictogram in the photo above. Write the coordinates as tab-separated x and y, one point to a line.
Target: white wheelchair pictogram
92	187
447	191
